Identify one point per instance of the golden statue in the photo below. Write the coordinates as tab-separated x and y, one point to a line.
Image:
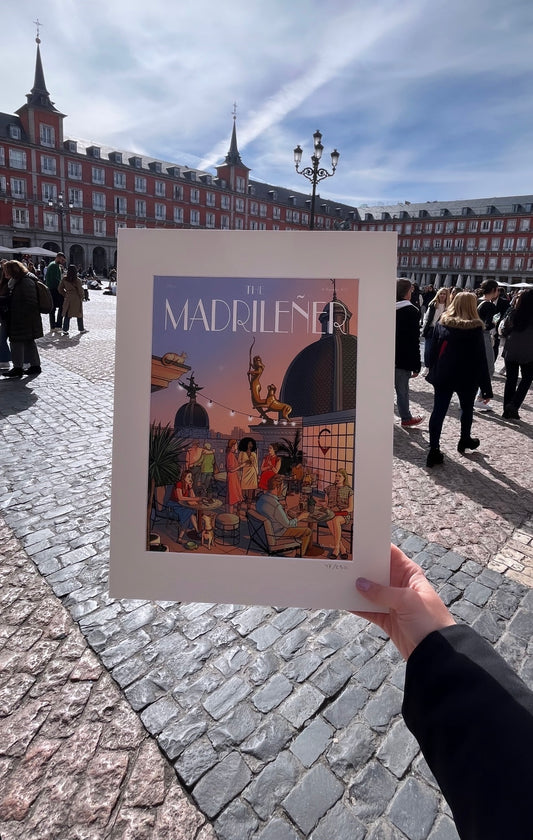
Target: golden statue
271	403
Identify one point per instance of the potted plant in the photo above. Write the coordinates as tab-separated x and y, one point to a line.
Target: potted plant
164	452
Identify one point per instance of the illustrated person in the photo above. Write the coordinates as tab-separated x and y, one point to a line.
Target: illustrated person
250	472
72	290
517	329
469	711
208	467
487	309
193	460
457	363
339	497
53	277
233	479
407	350
270	465
24	323
432	317
182	501
269	505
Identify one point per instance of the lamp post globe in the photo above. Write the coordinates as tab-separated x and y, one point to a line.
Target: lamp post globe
315	172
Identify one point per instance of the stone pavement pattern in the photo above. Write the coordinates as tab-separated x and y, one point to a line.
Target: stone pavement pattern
281	724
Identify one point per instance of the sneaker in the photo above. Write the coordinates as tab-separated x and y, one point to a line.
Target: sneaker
414	421
482	406
65	333
83	331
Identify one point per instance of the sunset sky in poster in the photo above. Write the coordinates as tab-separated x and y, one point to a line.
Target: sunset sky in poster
219	358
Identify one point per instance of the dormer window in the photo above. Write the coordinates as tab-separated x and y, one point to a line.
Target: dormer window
71	146
14	132
136	162
155	166
273	195
116	157
93	151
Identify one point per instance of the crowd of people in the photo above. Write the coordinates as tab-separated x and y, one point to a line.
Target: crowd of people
462	333
21	307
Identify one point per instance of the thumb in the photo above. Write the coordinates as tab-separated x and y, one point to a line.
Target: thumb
383	596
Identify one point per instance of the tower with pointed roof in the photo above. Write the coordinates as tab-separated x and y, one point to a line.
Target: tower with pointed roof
233	171
39	117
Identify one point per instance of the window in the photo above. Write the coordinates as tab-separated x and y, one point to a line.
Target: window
508	243
439	227
17	159
140	208
98	175
120	205
239	224
457	262
418	227
240	184
408	229
506	263
450	227
118	226
18	187
160	211
424	262
404	261
99	227
524	224
448	243
195	217
497	225
50	221
426	244
225	202
434	262
480	262
262	210
224	222
210	220
76	224
210	199
428	227
262	226
49	192
98	201
459	244
296	216
178	215
493	263
239	206
21	217
483	242
521	243
276	213
48	165
305	218
178	192
495	243
2	156
288	213
511	225
74	170
416	244
119	180
75	197
445	261
461	227
254	208
253	226
473	226
47	135
140	184
14	132
485	225
470	244
468	262
195	195
437	244
275	227
519	262
160	189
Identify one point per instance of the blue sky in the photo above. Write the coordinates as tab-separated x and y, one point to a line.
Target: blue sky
424	99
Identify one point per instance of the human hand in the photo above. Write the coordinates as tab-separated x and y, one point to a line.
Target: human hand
415	608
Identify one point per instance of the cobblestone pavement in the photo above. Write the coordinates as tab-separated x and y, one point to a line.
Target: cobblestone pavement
130	719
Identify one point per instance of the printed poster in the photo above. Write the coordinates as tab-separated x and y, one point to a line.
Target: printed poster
252	385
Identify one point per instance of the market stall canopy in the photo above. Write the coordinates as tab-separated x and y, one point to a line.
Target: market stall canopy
36	251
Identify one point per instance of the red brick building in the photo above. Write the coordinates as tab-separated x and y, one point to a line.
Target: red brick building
59	191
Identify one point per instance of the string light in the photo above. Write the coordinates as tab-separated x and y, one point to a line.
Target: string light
232	411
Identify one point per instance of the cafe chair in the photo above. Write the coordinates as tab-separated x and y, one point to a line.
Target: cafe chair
263	538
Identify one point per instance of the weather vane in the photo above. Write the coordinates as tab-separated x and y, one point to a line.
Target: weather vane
234	110
37	24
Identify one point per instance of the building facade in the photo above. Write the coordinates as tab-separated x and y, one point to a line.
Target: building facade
66	194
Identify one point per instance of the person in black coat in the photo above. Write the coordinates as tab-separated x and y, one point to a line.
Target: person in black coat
457	363
407	350
24	322
469	711
517	329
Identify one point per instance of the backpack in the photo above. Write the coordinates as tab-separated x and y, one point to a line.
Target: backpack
44	297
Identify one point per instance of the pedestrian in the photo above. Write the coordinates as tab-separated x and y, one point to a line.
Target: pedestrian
5	352
457	363
72	291
432	317
53	277
489	291
24	323
407	350
517	329
469	711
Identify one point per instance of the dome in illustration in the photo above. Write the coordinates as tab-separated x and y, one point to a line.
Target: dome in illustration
321	379
191	415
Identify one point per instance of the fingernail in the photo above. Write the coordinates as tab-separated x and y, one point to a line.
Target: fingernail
363	584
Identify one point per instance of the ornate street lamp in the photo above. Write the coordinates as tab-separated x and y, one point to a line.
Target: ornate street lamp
61	208
315	173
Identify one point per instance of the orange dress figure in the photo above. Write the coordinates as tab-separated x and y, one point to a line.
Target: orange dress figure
233	486
269	466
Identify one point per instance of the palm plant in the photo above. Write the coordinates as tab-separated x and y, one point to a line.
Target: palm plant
290	450
164	451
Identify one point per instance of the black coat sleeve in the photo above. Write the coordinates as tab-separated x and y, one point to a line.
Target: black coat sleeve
473	718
